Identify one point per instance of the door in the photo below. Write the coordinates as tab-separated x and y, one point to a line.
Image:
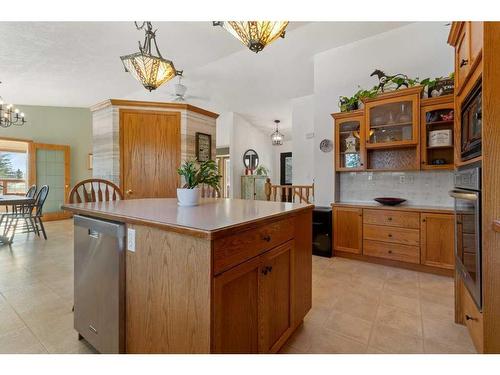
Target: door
236	298
286	168
150	150
50	165
347	224
275	305
437	240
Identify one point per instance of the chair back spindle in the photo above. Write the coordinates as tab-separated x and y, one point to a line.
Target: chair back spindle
95	190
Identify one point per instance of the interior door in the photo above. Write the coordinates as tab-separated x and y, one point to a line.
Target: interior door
150	149
275	305
50	165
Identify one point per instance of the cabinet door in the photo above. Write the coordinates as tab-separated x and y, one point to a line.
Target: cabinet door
347	227
476	39
236	297
462	62
437	240
275	297
350	144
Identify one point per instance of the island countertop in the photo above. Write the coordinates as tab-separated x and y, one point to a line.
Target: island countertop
211	219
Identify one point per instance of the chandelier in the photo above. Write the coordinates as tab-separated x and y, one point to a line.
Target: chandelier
10	116
255	34
277	137
152	71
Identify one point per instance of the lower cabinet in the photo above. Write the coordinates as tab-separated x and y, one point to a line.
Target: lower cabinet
253	303
437	240
347	228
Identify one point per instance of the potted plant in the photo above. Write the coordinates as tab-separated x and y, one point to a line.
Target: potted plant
261	171
347	104
194	175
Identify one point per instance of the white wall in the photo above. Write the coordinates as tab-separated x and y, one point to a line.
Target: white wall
244	136
418	50
224	128
303	148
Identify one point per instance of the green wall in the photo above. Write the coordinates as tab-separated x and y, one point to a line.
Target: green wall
58	125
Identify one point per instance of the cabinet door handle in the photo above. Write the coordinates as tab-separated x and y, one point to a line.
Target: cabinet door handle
389	235
390	251
389	218
463	62
264	271
267	238
468	317
270	269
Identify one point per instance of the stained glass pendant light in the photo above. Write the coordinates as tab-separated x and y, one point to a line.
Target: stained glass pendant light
150	70
255	34
277	137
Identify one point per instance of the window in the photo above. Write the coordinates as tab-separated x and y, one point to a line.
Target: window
13	167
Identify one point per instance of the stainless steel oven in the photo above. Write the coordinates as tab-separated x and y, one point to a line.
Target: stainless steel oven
467	195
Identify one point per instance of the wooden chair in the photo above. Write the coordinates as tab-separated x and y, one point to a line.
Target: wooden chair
95	190
209	192
289	193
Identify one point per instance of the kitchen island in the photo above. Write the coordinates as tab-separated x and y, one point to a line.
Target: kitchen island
227	276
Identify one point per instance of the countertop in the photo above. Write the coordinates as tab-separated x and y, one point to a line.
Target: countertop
208	220
401	207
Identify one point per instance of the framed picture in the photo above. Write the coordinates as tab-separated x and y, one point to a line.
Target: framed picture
203	146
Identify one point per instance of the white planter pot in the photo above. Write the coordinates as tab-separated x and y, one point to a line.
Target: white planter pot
188	197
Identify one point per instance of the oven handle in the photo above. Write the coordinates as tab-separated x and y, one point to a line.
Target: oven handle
461	194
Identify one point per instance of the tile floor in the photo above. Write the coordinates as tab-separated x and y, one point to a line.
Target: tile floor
357	307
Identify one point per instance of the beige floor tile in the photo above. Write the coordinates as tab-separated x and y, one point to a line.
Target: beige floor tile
440	311
21	341
330	343
398	319
391	340
9	320
404	303
302	338
288	349
436	347
446	332
349	326
357	305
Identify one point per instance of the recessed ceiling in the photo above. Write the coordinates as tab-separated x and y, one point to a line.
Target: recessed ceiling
77	64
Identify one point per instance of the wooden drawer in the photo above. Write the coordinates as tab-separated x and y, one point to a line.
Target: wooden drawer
473	319
235	249
391	234
392	218
402	253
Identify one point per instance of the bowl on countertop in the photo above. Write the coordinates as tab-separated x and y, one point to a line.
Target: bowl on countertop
387	201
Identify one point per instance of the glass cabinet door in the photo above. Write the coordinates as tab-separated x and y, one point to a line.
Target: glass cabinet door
350	144
392	122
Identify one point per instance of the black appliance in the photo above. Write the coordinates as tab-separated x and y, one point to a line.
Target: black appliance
471	124
467	194
322	231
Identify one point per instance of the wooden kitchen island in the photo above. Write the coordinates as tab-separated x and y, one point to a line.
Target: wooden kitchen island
227	276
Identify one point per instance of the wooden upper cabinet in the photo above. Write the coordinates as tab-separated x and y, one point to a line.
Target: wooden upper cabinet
462	59
236	319
437	240
476	40
437	114
275	305
348	224
350	141
392	119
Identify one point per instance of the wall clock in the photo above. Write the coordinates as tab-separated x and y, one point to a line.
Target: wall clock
203	147
326	145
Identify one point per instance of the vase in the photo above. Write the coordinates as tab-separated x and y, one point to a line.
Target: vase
188	197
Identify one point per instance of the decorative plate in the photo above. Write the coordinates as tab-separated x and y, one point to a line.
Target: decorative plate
326	145
386	201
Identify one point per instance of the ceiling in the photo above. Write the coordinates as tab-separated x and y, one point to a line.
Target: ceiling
77	64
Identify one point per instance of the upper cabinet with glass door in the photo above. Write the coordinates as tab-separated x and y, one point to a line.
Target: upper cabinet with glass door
392	119
349	141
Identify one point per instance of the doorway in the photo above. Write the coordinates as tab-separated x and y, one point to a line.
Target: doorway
286	168
224	168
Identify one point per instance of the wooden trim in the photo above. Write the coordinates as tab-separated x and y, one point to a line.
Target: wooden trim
456	27
395	263
395	94
137	103
430	209
438	100
496	225
349	114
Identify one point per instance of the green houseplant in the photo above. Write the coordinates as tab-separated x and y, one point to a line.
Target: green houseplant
195	174
261	171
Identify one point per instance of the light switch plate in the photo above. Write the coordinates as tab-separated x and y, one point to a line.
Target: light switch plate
131	239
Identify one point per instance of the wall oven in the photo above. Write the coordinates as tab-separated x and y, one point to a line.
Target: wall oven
471	124
467	195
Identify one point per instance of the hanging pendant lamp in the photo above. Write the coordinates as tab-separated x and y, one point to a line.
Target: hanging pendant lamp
277	137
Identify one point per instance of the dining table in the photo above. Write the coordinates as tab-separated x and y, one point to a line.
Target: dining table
12	200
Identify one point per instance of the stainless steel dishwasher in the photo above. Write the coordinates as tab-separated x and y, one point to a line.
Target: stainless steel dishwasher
100	283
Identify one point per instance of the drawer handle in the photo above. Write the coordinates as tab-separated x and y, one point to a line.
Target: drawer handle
464	62
267	238
266	270
390	251
390	235
389	218
468	317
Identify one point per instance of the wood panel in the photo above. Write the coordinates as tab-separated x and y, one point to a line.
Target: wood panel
391	234
150	153
168	300
437	240
402	253
238	247
462	59
476	40
302	285
473	319
392	218
347	229
275	297
491	187
235	317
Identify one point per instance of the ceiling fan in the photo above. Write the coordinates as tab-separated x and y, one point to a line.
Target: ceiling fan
179	94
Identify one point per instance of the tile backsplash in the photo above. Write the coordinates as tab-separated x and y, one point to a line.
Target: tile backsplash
429	188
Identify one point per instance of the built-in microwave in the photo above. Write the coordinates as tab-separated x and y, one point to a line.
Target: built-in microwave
471	124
